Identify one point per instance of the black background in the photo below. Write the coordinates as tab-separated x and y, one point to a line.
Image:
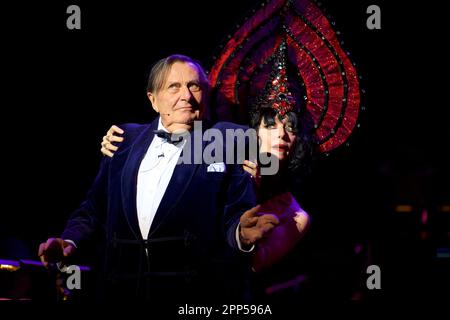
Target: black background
62	89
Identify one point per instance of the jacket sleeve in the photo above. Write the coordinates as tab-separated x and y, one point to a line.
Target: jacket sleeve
90	216
240	197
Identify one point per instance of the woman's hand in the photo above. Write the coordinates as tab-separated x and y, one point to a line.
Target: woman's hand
253	169
108	148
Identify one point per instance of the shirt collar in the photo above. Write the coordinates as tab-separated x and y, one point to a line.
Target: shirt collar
161	126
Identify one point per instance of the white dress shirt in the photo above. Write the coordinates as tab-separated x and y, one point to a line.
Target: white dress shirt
154	174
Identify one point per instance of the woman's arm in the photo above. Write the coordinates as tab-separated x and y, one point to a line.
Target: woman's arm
294	223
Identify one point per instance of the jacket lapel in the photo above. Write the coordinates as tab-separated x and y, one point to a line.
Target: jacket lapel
130	174
179	182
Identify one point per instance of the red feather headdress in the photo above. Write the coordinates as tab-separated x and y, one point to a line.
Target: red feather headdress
322	80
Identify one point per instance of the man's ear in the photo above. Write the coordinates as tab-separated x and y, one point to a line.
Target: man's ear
152	99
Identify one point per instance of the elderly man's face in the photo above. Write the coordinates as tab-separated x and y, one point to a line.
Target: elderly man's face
179	102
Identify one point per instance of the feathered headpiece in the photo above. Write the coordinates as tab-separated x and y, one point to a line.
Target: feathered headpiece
316	76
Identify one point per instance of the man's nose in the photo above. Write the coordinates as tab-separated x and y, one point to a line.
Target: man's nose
186	94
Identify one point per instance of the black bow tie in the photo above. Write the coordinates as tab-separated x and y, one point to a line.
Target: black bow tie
169	137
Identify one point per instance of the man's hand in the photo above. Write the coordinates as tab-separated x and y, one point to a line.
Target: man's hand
55	250
255	225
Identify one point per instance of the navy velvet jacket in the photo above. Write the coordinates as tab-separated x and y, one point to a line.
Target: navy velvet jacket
193	233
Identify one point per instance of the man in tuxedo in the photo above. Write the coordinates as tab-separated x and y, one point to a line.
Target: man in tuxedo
167	230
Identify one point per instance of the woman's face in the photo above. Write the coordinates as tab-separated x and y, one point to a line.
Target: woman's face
277	139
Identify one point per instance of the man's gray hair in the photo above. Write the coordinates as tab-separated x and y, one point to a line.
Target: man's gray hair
160	69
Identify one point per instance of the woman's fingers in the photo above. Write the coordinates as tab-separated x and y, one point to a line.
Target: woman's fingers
112	134
250	164
250	167
110	147
106	152
251	171
114	138
107	147
114	129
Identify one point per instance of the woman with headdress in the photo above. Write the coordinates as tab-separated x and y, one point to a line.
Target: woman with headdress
282	133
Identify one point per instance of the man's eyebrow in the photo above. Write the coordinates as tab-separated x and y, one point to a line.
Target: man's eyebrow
170	83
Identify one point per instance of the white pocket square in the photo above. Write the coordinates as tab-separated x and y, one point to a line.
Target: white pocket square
217	167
